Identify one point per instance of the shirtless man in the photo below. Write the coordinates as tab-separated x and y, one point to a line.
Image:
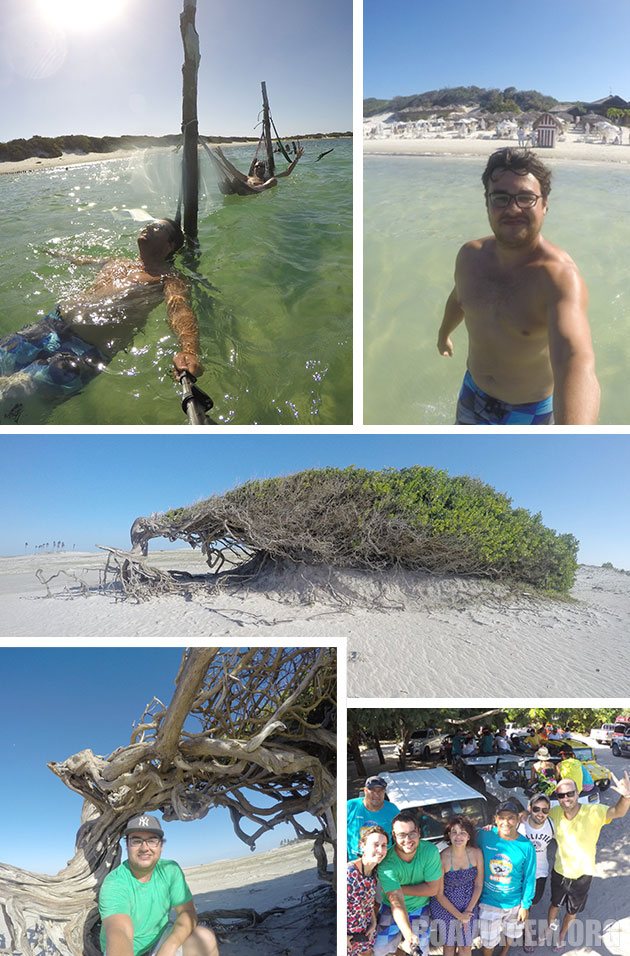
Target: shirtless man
232	180
530	357
54	359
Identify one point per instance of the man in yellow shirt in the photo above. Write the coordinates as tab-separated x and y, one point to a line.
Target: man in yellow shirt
577	827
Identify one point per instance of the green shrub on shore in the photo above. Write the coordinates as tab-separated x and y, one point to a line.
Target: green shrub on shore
417	518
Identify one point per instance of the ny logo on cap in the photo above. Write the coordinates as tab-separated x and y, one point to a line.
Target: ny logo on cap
144	822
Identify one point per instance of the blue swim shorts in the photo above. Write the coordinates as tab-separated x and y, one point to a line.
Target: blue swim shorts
48	360
388	935
476	407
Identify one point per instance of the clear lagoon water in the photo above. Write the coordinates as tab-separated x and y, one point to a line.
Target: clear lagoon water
418	211
272	287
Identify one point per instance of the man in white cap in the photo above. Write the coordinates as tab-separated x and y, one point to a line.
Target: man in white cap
371	809
137	897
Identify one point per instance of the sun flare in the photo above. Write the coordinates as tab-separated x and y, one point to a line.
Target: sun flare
81	15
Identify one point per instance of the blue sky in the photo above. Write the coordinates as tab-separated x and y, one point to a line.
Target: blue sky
87	489
112	67
570	49
53	709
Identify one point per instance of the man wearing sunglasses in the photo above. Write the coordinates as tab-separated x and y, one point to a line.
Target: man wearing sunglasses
539	830
577	827
136	899
530	357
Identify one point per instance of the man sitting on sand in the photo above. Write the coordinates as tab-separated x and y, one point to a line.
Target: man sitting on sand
136	898
55	358
530	357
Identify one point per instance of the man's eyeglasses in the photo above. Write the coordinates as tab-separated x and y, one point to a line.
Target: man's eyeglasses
544	809
406	837
521	200
152	842
565	794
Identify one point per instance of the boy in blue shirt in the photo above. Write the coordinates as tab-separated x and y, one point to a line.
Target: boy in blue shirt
509	880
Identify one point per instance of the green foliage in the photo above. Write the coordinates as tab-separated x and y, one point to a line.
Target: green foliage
494	100
580	719
423	518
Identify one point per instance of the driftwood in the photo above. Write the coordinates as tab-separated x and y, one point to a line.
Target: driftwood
260	720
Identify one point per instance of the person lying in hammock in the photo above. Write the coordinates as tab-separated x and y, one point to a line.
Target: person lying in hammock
53	359
232	180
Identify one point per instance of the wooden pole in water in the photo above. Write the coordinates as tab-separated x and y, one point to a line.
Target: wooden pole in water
190	125
267	131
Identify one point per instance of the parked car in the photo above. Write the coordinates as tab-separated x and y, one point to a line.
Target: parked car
438	796
620	746
603	734
621	728
601	775
426	743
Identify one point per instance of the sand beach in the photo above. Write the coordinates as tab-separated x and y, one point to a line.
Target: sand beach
447	628
573	147
283	878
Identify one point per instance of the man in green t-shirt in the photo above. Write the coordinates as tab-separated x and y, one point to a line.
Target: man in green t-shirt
410	873
577	828
136	899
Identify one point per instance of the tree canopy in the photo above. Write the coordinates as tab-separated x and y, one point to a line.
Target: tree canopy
417	518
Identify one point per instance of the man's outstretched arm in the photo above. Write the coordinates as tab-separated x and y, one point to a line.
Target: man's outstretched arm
292	165
118	935
183	322
576	393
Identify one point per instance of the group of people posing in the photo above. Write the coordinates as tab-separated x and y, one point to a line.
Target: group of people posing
402	892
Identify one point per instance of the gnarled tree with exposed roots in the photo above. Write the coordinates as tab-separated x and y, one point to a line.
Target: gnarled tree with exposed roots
243	724
417	518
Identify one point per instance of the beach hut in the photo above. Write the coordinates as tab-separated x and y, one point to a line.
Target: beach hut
547	128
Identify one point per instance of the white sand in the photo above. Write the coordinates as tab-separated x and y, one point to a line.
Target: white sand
482	144
67	159
262	881
456	636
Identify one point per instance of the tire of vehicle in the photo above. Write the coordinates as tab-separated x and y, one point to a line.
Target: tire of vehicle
426	753
615	750
603	785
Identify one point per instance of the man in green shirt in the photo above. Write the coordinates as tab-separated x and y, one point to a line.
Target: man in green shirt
410	873
136	898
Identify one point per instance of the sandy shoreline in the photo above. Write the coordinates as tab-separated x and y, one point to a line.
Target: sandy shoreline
571	150
34	164
446	628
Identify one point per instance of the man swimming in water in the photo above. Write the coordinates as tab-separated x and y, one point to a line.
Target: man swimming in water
57	356
530	356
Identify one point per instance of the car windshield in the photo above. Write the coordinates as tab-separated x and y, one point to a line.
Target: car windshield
434	817
584	753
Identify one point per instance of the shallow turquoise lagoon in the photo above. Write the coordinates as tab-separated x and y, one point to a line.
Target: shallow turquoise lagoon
272	287
418	211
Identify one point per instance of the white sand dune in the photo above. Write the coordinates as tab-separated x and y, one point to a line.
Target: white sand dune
456	636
